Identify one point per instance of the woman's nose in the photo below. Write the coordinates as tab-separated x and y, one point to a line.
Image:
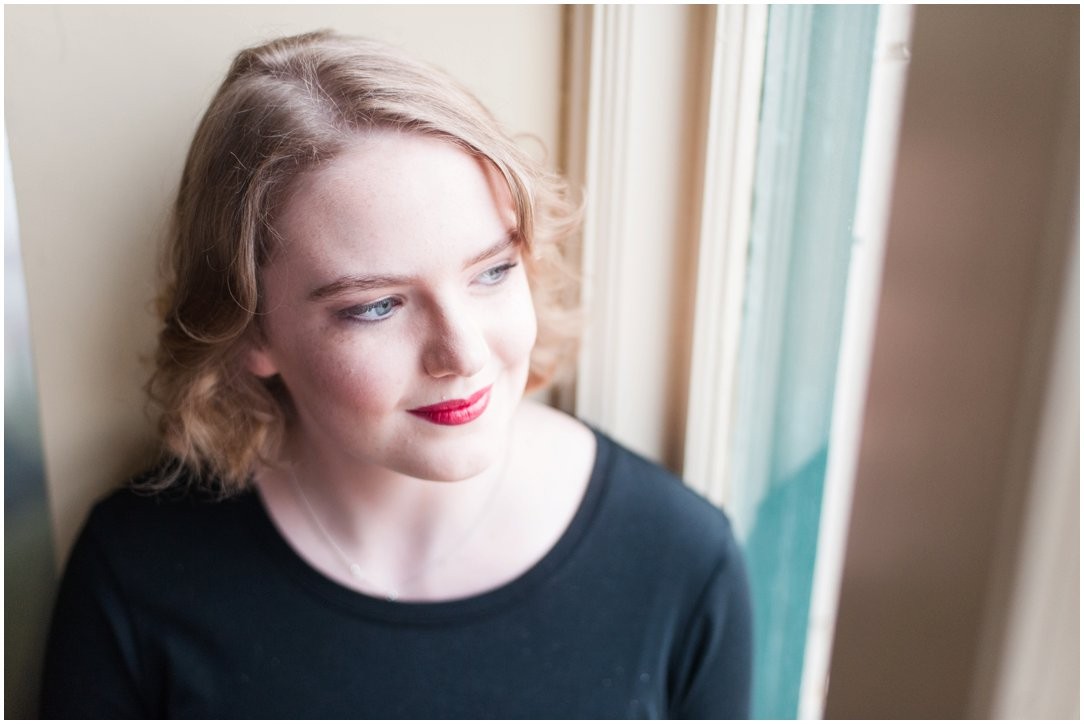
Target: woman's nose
456	346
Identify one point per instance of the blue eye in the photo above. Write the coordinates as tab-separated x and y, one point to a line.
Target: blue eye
496	275
375	312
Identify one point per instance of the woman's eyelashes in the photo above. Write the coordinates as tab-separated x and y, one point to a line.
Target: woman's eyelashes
385	308
376	311
496	275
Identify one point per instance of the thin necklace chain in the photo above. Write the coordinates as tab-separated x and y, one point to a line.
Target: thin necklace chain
355	569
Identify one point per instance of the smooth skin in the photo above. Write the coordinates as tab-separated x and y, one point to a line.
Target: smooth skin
399	284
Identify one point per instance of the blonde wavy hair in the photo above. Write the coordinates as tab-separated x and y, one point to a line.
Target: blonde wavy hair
286	107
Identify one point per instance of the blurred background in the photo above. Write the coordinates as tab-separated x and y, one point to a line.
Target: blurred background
831	268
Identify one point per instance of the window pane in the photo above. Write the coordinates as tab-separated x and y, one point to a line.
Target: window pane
816	81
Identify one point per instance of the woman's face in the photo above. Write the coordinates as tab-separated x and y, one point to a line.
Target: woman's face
398	287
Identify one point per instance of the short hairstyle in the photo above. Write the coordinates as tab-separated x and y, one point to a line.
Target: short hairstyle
289	106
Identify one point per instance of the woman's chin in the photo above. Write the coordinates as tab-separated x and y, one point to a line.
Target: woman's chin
452	471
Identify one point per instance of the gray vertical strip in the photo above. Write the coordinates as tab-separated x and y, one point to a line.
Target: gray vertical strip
29	575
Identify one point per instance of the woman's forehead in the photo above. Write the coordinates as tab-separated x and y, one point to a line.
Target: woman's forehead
383	174
395	198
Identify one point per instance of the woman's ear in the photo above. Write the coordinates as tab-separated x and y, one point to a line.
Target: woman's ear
258	361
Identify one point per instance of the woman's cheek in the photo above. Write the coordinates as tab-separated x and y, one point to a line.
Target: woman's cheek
522	326
358	376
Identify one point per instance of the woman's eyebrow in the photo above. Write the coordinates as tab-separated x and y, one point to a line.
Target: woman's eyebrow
355	284
363	283
506	241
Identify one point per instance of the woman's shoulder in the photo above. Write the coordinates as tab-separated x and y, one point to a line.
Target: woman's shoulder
661	507
640	493
141	514
168	487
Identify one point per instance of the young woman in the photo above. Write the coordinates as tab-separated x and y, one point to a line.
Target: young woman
359	515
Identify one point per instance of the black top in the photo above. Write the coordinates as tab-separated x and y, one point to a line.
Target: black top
198	609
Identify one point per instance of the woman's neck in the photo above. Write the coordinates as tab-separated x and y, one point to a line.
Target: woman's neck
429	540
390	525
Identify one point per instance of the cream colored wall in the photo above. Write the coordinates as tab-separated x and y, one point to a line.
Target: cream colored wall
101	103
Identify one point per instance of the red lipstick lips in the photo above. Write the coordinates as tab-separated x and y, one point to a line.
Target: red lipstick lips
455	412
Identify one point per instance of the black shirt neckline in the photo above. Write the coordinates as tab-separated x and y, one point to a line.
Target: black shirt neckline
290	562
